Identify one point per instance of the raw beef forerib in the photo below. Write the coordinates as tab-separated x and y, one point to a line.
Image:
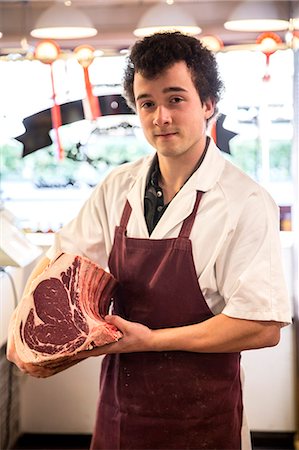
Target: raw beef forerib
63	312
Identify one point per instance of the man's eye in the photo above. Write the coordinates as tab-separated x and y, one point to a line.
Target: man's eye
176	100
147	105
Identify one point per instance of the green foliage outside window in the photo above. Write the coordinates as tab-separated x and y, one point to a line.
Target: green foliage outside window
10	159
280	160
81	164
246	154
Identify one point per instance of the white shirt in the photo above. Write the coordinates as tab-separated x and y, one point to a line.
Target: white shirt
235	236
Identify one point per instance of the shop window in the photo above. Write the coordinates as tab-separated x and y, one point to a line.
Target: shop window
260	113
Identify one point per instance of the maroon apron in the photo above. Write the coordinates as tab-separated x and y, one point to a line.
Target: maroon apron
169	399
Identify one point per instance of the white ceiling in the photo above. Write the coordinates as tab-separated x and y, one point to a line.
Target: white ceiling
115	21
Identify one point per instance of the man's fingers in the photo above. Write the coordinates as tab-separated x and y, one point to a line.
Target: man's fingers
117	321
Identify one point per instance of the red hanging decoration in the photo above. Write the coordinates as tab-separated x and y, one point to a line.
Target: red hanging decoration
47	51
85	56
213	43
268	42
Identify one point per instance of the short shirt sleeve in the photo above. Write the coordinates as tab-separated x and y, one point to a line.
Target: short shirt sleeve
249	269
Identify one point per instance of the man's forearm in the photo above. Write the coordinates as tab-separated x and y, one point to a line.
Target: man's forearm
218	334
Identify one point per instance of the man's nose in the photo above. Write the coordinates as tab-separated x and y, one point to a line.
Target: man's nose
162	116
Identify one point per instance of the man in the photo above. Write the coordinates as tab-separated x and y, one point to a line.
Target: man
194	244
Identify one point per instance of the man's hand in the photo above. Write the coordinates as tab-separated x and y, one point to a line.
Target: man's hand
136	338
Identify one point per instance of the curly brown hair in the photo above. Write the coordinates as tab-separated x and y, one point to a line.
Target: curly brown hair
156	53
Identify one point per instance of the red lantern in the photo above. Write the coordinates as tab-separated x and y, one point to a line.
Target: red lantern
268	42
85	56
47	51
213	43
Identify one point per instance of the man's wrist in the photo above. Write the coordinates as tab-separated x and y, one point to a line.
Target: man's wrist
163	340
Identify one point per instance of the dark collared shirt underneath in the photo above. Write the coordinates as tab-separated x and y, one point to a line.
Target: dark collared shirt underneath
154	206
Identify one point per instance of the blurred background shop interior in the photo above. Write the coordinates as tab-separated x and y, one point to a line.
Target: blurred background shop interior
64	125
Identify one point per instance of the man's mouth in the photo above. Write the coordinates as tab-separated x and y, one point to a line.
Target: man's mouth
166	134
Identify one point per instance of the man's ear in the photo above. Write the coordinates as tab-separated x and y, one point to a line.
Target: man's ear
209	107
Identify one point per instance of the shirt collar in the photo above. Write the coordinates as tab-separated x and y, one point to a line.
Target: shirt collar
209	172
154	170
203	179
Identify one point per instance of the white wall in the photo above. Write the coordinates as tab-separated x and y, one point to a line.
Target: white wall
269	393
64	403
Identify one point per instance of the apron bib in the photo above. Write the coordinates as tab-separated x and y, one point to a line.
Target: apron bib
174	399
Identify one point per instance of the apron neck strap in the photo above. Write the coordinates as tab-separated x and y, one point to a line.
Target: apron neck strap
188	222
125	215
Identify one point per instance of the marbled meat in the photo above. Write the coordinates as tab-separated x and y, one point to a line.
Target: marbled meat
64	312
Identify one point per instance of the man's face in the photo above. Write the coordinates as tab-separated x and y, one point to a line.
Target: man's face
172	115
